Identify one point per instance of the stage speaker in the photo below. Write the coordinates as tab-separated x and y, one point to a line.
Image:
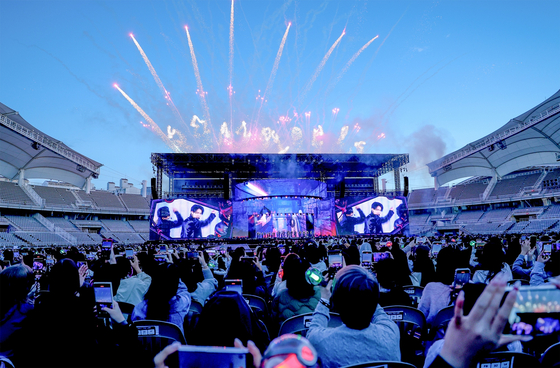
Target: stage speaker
405	186
154	188
226	186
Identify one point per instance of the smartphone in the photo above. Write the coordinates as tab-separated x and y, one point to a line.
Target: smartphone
547	249
129	253
212	356
436	247
367	258
462	277
250	253
282	250
479	245
160	258
16	254
378	256
192	255
335	258
80	264
106	245
38	265
234	285
103	292
536	311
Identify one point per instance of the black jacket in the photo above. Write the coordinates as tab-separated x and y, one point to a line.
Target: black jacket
192	227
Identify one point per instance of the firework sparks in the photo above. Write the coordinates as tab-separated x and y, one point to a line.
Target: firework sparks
274	69
231	45
335	113
155	128
158	81
321	66
171	132
360	146
200	90
381	136
349	63
343	134
317	134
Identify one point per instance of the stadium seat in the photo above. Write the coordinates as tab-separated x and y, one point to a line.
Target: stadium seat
257	304
299	324
509	359
440	322
191	319
414	292
156	335
412	327
551	357
382	364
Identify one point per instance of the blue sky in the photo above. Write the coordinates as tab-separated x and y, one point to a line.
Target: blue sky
440	75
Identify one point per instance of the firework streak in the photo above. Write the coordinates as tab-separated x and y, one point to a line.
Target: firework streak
321	66
155	128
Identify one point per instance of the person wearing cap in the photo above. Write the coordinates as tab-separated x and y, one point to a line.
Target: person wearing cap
165	224
348	221
192	227
366	334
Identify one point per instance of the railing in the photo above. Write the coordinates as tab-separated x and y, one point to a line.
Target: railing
49	143
39	201
55	229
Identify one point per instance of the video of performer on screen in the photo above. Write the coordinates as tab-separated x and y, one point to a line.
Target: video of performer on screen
372	215
190	219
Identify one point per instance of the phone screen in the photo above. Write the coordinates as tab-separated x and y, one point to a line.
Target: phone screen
103	294
335	259
38	264
106	245
366	257
536	311
16	254
436	248
547	248
129	253
462	277
282	250
80	264
234	285
379	256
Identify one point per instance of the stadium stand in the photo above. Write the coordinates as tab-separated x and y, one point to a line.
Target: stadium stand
12	193
135	202
55	197
25	223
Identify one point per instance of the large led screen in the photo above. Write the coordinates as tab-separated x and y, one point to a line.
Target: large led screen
174	219
372	215
280	225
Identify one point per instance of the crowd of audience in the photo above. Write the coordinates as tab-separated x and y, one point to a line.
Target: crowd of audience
49	315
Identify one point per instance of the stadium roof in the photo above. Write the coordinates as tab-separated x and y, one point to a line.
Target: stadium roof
531	139
22	146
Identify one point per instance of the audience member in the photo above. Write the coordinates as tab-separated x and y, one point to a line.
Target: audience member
436	294
492	263
167	298
299	297
367	333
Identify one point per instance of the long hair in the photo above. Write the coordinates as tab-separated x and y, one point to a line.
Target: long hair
272	261
15	284
64	279
297	286
492	258
191	273
165	281
424	264
447	263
